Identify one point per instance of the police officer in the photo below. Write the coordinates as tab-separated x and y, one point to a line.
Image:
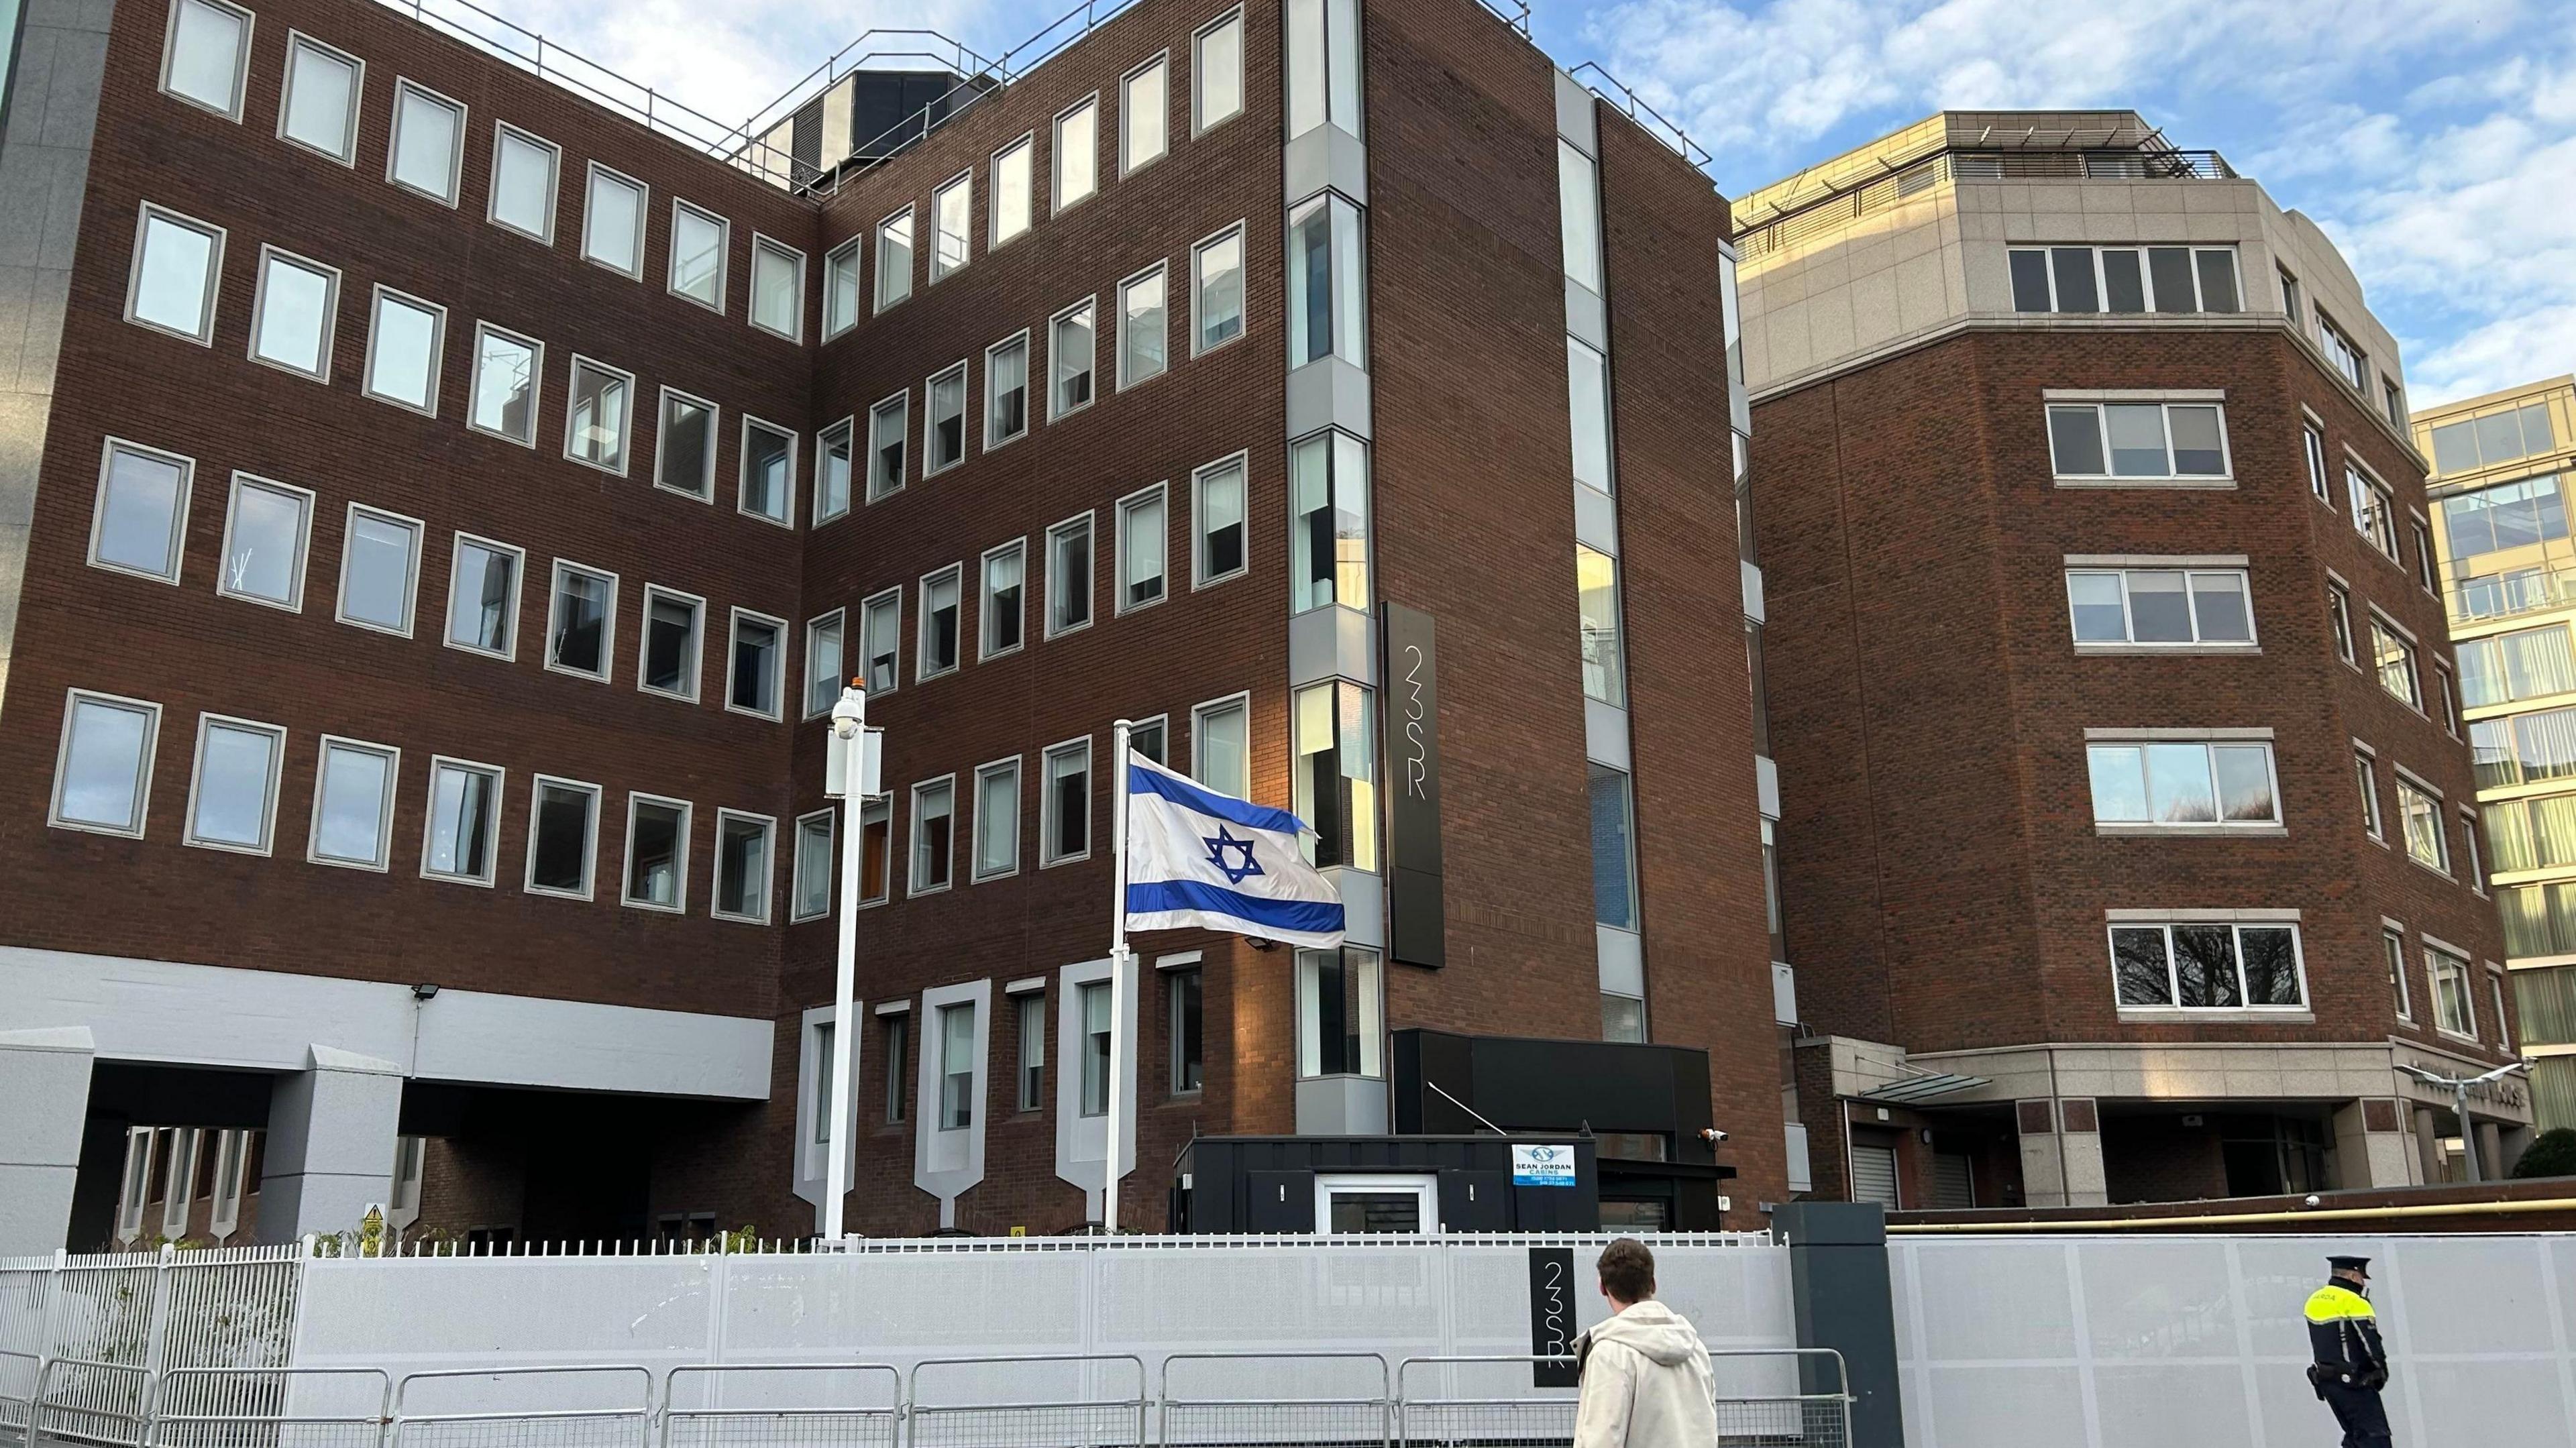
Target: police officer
2351	1363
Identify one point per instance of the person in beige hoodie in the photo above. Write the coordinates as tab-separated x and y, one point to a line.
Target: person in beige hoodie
1645	1373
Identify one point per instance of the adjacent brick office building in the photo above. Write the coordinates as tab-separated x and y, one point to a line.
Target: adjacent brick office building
2099	573
444	501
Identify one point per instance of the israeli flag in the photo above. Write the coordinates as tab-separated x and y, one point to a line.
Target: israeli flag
1196	858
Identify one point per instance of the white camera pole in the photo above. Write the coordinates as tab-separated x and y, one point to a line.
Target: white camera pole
850	773
1119	956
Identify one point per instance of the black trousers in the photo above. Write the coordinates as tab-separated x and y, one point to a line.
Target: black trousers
2365	1422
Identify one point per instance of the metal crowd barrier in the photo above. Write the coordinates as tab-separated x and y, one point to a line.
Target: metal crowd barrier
271	1408
1085	1415
801	1405
1487	1401
1814	1412
615	1423
18	1374
90	1402
1214	1398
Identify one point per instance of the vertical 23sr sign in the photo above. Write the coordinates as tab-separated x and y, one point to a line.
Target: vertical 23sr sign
1417	920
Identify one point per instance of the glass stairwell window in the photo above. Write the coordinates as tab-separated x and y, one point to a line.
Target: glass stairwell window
1327	283
1336	783
1328	538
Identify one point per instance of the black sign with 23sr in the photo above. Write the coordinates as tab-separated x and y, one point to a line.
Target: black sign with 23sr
1551	1284
1417	920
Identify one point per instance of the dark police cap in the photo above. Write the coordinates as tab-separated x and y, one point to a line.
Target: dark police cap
2350	1264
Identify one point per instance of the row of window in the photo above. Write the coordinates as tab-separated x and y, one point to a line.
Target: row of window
2421	827
2259	966
2343	355
2392	658
2493	439
206	62
2124	279
2452	991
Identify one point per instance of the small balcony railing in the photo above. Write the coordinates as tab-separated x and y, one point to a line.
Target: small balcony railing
2504	595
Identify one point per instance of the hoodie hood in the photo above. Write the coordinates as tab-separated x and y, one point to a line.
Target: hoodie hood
1663	1335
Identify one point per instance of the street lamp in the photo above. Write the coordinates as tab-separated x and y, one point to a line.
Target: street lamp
2459	1086
851	762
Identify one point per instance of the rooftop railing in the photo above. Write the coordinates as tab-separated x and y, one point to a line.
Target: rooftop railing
1787	225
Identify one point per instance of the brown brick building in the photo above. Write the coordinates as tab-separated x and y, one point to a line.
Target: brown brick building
2129	851
436	507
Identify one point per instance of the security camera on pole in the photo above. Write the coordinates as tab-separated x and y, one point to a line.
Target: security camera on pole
2459	1087
852	761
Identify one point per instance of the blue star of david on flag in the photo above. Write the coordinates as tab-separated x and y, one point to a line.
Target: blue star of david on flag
1200	859
1222	842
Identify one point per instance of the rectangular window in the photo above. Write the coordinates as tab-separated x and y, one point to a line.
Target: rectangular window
353	805
956	1067
503	397
139	523
294	314
2476	874
2184	784
876	849
1327	283
1001	611
1070	350
524	172
1578	207
1006	391
464	821
320	108
1221	746
1144	115
1146	737
1012	199
657	853
943	431
597	421
2533	834
1216	290
889	428
2125	279
1336	774
1596	581
1328	539
403	345
2140	440
2392	948
1185	1029
207	54
700	244
777	288
563	837
2424	557
266	528
1623	1018
2453	1011
832	465
379	570
581	622
2373	510
2449	698
428	142
1217	523
1339	1026
896	1046
2427	839
816	862
841	289
1069	575
1142	535
941	606
1216	73
1144	345
1091	999
1323	65
754	682
2393	656
232	800
483	597
2530	663
1587	399
103	771
1614	850
2195	966
2292	305
1030	1012
934	808
997	820
743	868
952	208
176	263
894	259
2495	997
687	460
2312	440
2497	437
823	666
1077	152
2339	621
1064	804
612	226
2366	777
2394	401
881	640
2348	361
669	661
766	488
2160	606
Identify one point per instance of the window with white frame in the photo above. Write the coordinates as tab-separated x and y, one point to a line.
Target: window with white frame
103	771
2393	658
2125	279
841	289
686	461
876	850
2147	441
1323	65
266	529
1148	738
581	621
1144	115
956	1067
1614	848
2476	875
1218	545
2292	303
2524	664
1029	1011
766	488
1064	803
2392	949
1340	1025
612	226
353	805
502	399
1077	152
889	427
2339	621
1144	336
139	523
1578	212
1328	538
743	868
881	641
1216	290
599	416
1221	746
1327	282
176	262
943	430
1216	72
1336	773
832	466
1001	611
2348	361
563	834
404	340
483	597
525	169
2374	512
1142	536
379	570
1091	1005
2366	778
1070	355
894	1045
295	314
777	288
1596	584
934	811
206	55
2454	1011
657	853
1587	403
894	259
1185	1029
1012	201
755	681
232	800
463	821
2208	965
997	819
2393	402
2160	606
701	242
2312	443
1006	391
1069	572
673	625
941	606
2184	783
2423	556
952	213
810	892
428	146
2449	699
823	667
2419	810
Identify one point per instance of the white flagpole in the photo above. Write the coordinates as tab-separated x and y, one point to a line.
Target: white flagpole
1118	960
850	712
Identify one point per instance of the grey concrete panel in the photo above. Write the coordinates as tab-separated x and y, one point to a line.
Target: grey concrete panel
70	113
1342	1106
1332	643
1596	519
1586	317
32	86
1574	115
25	192
1326	159
330	1149
44	1102
93	16
40	347
1328	393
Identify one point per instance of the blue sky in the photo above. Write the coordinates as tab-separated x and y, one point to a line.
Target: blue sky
2434	140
